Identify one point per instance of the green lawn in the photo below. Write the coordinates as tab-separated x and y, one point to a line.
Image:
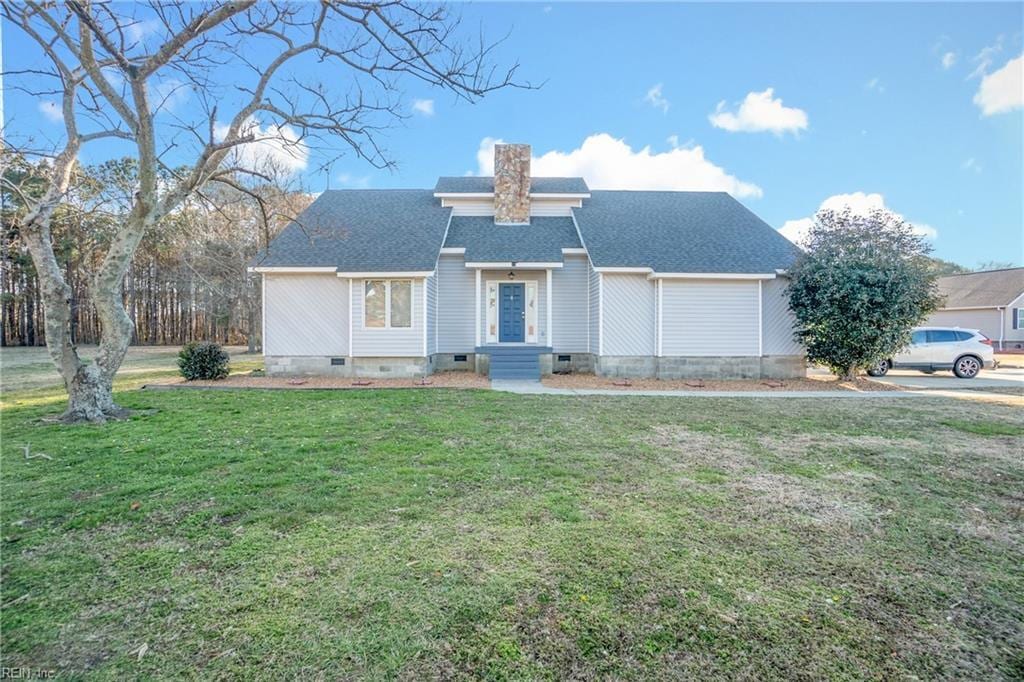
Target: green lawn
432	533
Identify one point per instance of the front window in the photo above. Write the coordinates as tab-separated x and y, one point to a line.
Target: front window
917	338
401	303
376	303
387	303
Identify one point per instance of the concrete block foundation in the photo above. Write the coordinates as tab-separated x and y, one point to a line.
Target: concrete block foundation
378	368
719	367
767	367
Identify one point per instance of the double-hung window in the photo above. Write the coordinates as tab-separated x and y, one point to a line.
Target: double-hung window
387	303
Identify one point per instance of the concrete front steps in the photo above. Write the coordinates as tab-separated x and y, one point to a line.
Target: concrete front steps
520	363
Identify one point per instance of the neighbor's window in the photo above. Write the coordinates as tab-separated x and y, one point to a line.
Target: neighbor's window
376	303
401	303
388	303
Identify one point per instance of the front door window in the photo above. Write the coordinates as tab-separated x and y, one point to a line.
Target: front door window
512	317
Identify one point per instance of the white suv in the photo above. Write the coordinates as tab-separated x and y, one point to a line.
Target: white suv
965	351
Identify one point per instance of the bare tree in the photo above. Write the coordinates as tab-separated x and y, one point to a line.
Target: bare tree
119	69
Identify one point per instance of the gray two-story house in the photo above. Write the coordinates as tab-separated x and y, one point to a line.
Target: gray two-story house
515	276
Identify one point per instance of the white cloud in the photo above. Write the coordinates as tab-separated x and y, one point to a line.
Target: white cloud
606	162
51	111
423	106
948	60
274	148
656	99
985	58
1003	90
758	113
875	84
971	165
860	203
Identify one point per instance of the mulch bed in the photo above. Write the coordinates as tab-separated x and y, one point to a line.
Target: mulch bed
438	380
590	381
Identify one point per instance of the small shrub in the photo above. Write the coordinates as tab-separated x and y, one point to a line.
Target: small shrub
203	360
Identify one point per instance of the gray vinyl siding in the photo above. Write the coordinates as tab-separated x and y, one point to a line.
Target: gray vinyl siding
432	315
594	281
400	343
777	320
628	324
539	276
455	301
569	315
986	321
709	318
305	315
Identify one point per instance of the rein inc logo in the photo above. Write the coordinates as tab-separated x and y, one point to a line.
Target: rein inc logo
27	673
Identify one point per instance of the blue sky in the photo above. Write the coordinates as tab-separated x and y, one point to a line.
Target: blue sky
865	100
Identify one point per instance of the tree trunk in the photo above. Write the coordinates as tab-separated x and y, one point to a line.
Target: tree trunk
89	387
89	391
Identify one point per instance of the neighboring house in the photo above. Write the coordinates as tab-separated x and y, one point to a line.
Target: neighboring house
992	302
518	275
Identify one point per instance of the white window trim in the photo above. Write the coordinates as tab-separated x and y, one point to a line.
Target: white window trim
477	316
492	338
387	303
532	314
549	337
413	295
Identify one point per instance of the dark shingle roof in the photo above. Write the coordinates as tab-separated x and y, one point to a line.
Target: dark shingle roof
482	184
680	232
982	289
541	241
363	230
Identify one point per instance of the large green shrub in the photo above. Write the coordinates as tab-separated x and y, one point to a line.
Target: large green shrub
863	283
203	360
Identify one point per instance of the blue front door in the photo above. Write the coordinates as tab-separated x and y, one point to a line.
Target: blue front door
512	312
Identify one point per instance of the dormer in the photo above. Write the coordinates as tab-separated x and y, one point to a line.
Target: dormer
512	195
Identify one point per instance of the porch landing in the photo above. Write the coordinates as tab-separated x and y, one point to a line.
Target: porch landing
514	362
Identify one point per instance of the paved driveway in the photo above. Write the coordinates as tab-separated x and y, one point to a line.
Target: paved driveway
1004	377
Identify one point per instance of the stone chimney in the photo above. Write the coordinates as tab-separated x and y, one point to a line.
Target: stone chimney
511	184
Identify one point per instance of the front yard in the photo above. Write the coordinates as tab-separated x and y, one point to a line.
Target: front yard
442	533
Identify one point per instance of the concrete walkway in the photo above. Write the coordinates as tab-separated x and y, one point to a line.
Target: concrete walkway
537	388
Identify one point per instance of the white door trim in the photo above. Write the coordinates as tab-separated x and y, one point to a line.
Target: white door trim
550	337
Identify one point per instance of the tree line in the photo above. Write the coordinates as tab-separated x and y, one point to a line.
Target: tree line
187	281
